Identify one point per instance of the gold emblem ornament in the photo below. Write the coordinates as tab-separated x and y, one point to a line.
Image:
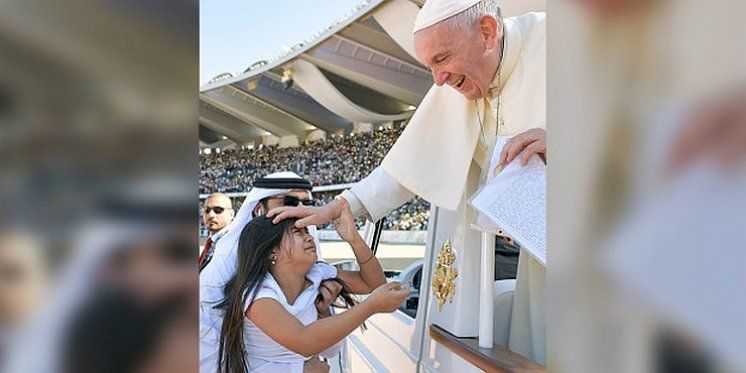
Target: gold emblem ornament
444	286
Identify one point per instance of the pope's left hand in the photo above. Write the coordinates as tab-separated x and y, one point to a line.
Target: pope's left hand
533	141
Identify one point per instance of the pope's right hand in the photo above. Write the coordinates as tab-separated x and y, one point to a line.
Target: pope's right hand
307	215
388	297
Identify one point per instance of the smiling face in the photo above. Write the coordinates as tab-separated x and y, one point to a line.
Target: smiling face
467	61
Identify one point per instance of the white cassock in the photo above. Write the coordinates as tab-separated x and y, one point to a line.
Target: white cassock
440	156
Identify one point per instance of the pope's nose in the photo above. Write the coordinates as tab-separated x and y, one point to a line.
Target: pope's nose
440	77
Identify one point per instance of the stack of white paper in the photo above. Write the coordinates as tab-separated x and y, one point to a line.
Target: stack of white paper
514	201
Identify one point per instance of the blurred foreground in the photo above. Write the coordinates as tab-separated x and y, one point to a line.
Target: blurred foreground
97	148
647	186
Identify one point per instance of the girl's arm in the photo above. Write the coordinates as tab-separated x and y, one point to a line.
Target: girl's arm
308	340
371	274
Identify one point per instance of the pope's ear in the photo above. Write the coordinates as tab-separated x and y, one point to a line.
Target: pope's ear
490	30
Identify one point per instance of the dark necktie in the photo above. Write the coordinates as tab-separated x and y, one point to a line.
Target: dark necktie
206	254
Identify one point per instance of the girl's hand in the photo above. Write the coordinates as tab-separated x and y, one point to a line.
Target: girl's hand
388	297
328	292
345	224
315	365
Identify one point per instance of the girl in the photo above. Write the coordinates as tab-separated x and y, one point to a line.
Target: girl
270	319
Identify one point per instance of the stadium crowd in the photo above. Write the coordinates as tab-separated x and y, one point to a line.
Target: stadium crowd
412	215
336	160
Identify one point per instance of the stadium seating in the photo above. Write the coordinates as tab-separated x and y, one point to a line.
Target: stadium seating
336	160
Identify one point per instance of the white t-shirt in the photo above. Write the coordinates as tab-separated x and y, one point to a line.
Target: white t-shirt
212	279
263	354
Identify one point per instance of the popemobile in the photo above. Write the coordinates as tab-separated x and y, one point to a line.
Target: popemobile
361	73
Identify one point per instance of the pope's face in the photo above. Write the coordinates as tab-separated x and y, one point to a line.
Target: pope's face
464	60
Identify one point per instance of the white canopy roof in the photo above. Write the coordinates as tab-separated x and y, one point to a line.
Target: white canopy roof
360	69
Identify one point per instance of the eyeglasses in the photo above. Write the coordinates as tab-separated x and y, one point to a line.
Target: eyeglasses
218	210
294	201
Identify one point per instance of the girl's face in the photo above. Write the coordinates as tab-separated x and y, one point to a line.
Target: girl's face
298	247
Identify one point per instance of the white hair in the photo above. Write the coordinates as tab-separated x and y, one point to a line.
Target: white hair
466	19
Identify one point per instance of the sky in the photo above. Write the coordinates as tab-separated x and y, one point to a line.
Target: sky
234	33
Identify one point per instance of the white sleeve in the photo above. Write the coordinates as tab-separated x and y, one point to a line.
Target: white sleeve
323	270
264	291
376	195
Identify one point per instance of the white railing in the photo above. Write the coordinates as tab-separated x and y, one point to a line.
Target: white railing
486	290
388	237
393	237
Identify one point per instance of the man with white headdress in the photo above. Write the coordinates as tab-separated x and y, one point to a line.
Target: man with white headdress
274	190
490	80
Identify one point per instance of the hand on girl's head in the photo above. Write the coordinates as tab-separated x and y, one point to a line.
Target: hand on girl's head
283	212
301	230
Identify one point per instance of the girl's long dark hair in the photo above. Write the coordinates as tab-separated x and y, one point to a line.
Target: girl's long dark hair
346	299
255	244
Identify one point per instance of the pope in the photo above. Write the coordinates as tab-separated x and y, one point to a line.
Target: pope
490	80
